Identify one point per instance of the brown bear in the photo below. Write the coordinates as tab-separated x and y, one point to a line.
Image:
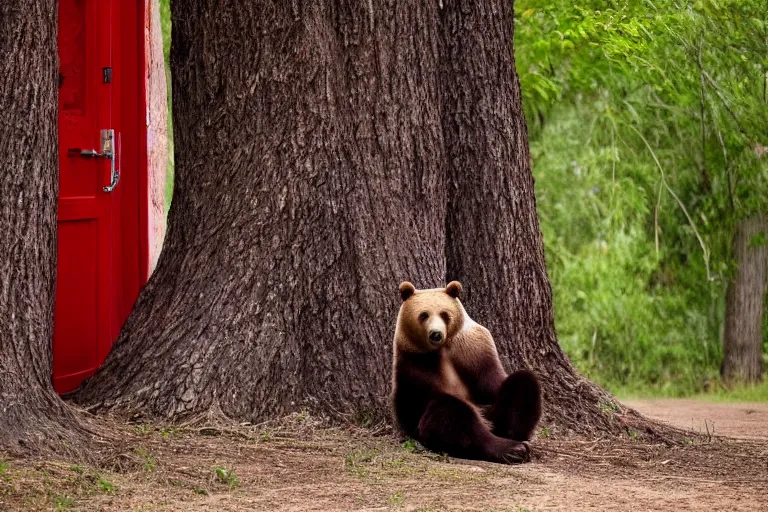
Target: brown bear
449	390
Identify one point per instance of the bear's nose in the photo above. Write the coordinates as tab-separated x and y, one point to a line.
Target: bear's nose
435	337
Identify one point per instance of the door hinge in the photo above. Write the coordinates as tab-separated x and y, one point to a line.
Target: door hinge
107	73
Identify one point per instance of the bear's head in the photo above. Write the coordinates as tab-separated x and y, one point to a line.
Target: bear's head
429	319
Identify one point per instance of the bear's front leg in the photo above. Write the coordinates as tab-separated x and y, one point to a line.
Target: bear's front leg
517	410
452	426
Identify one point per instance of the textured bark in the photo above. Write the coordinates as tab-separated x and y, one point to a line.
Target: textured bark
323	155
32	417
308	185
745	299
493	243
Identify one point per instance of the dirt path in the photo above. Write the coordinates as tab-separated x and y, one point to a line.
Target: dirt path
742	420
298	467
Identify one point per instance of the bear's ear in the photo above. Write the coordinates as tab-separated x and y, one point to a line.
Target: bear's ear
406	290
454	289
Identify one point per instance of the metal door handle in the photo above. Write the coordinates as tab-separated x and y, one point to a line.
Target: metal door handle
111	151
107	151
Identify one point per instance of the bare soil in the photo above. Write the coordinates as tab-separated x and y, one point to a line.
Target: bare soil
743	420
297	466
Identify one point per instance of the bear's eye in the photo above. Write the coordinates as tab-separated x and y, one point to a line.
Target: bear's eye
446	317
423	317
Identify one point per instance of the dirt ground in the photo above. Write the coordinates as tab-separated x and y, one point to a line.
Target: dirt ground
742	420
296	466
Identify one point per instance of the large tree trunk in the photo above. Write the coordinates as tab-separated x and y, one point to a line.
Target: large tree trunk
309	183
743	349
493	242
311	179
32	417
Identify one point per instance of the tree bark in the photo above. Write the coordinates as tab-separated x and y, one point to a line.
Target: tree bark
494	246
325	153
32	417
309	183
745	299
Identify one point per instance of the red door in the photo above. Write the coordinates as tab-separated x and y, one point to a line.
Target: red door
83	330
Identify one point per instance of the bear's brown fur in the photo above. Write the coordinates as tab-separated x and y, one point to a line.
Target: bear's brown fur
449	390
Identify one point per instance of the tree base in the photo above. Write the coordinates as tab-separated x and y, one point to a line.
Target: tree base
48	427
575	406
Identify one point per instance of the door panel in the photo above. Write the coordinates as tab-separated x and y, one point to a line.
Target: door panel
82	329
75	339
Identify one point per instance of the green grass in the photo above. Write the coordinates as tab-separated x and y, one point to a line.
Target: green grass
148	461
63	503
720	393
757	393
165	21
227	477
396	499
105	485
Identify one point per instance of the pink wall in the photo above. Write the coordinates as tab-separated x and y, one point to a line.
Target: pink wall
157	129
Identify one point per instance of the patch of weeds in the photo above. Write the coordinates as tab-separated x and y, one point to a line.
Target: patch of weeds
358	461
227	476
544	431
62	503
105	485
144	430
169	431
148	462
710	432
201	492
633	435
4	466
608	406
265	435
412	446
78	469
396	499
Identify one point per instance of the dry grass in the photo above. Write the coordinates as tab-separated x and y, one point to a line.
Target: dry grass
296	465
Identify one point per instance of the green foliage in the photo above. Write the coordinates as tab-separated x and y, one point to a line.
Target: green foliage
106	486
757	393
227	476
63	503
648	126
396	499
165	22
148	461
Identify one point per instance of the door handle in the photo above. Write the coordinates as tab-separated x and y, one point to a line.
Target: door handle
109	150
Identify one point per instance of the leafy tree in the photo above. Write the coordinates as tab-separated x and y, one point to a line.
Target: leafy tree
671	102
